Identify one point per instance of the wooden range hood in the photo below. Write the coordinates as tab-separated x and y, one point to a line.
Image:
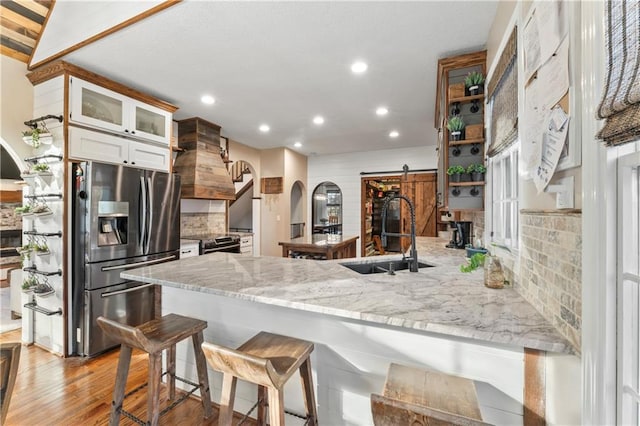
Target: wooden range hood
201	169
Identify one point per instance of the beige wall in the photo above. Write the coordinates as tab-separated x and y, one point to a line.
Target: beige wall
16	106
273	211
276	208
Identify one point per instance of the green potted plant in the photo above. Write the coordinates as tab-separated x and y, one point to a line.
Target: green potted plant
29	283
455	125
474	83
477	172
23	210
40	168
35	137
455	172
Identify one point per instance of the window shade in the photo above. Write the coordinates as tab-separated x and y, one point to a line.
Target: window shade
620	104
503	92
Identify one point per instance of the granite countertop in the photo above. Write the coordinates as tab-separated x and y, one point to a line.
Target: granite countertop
440	299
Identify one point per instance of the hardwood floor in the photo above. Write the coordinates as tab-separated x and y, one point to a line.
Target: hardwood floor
50	390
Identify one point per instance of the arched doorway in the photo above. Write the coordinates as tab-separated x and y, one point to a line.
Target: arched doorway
297	210
326	213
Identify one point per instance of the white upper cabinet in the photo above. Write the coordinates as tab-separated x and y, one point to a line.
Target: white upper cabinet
95	106
90	145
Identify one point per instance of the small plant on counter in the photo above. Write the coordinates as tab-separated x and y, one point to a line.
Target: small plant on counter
475	261
473	82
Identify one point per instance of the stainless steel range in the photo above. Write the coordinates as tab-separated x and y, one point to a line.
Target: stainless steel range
217	243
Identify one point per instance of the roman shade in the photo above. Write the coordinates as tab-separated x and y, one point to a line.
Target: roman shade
503	93
620	104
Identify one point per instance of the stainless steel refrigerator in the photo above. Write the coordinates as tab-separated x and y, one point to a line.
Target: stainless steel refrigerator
122	218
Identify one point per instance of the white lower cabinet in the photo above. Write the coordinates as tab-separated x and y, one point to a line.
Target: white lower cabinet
189	248
246	245
89	145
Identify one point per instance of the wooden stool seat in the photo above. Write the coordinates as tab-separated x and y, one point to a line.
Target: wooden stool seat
268	360
425	397
154	337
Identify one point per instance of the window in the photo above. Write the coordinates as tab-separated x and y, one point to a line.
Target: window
504	197
628	289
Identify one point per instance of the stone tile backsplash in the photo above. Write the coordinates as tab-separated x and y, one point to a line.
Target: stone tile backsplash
202	223
550	275
8	217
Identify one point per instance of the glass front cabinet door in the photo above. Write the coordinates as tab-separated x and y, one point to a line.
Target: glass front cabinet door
95	106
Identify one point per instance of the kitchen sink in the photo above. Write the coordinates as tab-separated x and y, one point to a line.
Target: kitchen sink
382	267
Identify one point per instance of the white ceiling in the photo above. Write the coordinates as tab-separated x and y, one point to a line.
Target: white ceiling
281	63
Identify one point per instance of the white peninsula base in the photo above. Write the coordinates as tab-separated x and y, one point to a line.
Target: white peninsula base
351	359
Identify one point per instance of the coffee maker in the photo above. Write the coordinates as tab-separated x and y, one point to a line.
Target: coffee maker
460	234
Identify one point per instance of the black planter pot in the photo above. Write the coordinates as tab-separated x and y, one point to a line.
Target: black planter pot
456	136
454	178
477	177
475	90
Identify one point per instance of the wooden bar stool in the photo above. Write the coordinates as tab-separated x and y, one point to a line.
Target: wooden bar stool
267	360
153	337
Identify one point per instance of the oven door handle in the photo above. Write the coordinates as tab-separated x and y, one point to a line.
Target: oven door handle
135	265
128	290
206	251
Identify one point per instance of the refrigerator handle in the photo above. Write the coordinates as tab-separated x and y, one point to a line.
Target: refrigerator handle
150	213
129	290
142	212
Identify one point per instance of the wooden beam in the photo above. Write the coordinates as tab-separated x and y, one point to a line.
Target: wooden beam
11	196
6	51
19	19
17	37
33	6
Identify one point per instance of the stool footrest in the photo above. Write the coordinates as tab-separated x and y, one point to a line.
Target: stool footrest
184	396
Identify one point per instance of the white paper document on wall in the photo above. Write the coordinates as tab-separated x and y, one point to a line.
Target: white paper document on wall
553	75
552	28
553	141
531	41
532	128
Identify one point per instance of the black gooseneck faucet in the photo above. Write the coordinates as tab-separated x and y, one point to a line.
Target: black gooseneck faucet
413	258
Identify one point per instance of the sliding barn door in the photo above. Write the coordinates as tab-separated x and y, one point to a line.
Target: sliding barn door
421	189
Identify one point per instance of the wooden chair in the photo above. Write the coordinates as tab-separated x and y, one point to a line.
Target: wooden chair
9	359
267	360
425	398
153	337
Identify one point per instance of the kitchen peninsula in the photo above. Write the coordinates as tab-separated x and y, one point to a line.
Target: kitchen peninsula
324	246
437	318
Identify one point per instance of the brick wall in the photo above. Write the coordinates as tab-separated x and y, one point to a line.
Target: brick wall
202	223
550	275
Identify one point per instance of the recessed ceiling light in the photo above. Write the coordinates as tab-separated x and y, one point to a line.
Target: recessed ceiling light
382	111
208	99
297	144
264	128
394	134
359	67
318	119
